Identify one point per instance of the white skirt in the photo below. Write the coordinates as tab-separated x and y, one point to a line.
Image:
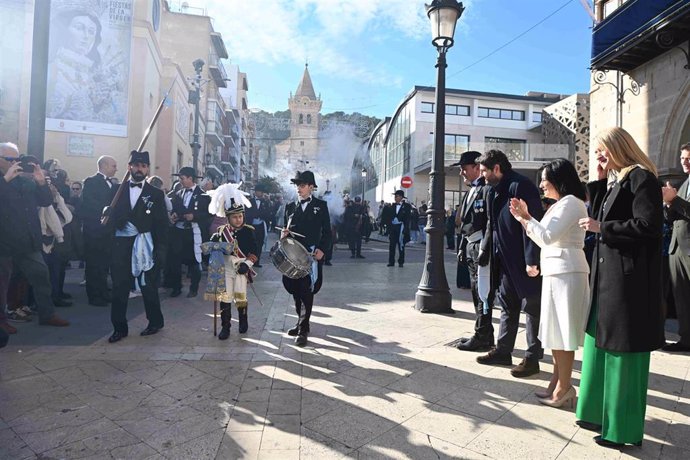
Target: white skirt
564	311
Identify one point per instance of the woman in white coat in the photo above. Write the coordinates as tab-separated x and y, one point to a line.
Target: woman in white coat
565	286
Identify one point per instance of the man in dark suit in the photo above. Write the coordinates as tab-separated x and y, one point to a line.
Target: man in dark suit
353	217
97	194
515	262
308	216
140	219
677	209
190	210
258	216
397	218
473	219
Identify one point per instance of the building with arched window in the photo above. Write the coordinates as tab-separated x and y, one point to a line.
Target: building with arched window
305	118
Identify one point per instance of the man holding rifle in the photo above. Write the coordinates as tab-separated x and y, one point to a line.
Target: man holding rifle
140	219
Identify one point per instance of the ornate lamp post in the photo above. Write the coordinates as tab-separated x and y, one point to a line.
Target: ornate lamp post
364	180
433	293
195	98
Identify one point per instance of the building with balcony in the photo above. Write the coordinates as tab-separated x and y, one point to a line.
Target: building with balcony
640	67
402	145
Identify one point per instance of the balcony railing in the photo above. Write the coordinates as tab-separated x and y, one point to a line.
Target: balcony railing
217	71
214	124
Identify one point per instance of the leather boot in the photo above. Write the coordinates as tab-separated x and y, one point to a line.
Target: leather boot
244	323
225	317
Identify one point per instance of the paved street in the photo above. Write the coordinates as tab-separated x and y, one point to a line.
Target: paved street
375	381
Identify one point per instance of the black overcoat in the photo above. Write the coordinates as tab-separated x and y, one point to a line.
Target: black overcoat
314	223
626	265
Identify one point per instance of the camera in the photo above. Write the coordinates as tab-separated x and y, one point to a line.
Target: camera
26	166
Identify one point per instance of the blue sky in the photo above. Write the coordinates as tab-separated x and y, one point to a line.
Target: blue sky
365	55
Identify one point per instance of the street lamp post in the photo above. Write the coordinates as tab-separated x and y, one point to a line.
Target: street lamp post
364	180
195	97
433	293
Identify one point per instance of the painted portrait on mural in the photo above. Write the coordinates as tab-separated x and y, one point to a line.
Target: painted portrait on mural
88	70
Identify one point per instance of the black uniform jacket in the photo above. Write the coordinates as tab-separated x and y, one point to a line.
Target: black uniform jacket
626	266
314	223
149	215
97	194
474	209
246	240
264	212
198	206
403	215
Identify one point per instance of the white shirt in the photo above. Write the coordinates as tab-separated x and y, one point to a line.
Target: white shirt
134	194
187	196
306	203
397	210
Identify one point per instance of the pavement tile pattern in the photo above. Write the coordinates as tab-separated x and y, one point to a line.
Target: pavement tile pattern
374	382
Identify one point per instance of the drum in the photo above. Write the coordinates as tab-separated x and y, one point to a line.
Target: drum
291	258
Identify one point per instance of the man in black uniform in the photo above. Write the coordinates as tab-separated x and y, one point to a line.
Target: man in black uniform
97	194
397	219
473	218
308	217
353	216
141	227
258	216
190	210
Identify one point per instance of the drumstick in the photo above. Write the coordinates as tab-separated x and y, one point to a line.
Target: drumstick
290	232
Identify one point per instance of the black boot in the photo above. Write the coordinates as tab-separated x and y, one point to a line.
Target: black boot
244	324
225	317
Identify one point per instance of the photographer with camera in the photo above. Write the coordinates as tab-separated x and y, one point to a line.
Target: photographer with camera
24	189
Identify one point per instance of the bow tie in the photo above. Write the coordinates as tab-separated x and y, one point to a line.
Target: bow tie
305	201
133	184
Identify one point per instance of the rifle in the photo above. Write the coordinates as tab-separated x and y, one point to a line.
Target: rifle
106	211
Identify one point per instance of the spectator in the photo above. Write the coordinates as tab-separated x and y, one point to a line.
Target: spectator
626	321
565	287
24	189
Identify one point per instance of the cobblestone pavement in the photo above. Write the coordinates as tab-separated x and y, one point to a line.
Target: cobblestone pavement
375	381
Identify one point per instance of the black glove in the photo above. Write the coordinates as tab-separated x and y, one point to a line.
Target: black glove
242	268
483	258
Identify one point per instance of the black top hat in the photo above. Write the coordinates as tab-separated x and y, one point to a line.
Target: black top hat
304	177
139	157
399	193
468	158
187	171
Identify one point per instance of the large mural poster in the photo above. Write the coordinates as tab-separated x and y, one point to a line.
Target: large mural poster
88	67
12	64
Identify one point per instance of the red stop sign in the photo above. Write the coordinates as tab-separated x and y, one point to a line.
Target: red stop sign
406	182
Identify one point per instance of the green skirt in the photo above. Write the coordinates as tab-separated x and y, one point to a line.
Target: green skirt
613	388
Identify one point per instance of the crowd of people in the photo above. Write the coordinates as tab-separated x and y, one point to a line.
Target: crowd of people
585	262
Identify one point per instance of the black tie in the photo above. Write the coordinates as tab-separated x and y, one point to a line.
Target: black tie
305	201
134	184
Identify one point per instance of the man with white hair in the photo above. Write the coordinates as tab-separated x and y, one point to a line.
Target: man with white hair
98	192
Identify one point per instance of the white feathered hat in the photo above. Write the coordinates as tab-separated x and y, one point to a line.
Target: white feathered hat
228	199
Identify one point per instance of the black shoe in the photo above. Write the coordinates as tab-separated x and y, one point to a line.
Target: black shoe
301	340
613	445
66	296
676	347
117	336
526	368
61	303
352	256
474	344
224	333
494	357
191	294
292	332
400	265
175	292
99	303
588	425
328	263
390	265
150	330
360	256
257	265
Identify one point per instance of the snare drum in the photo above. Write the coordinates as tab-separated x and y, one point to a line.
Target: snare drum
291	258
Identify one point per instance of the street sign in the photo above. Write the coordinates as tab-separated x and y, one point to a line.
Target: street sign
406	182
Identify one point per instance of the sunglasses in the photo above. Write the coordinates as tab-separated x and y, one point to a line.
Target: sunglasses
10	159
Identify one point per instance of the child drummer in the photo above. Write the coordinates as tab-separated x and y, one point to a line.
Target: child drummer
229	275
